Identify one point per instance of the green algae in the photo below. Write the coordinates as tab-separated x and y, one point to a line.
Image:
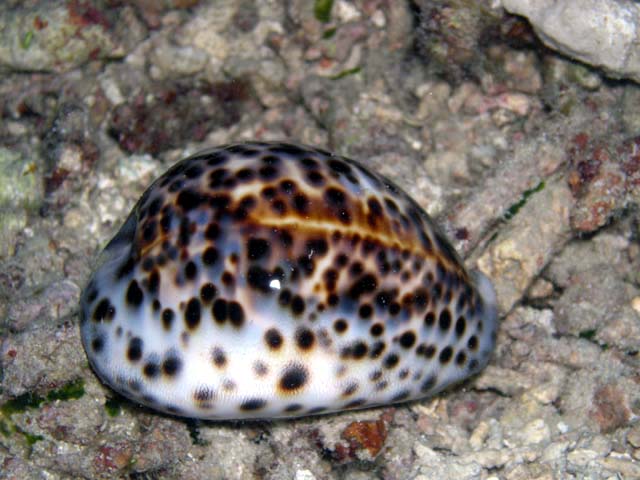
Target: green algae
5	428
70	391
113	406
20	196
322	10
329	33
193	426
515	208
346	73
26	40
29	400
31	438
21	403
590	336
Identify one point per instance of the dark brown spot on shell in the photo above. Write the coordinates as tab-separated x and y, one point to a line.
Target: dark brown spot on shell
153	282
220	310
350	389
429	319
376	329
461	326
445	355
294	377
189	199
365	311
203	394
400	396
190	270
316	410
297	305
208	292
257	248
171	366
391	360
340	325
151	370
253	404
210	256
126	268
134	294
105	311
236	314
377	349
134	351
355	403
359	350
292	408
305	338
407	339
260	368
430	351
219	358
444	320
212	232
97	344
428	384
192	314
167	317
273	339
367	283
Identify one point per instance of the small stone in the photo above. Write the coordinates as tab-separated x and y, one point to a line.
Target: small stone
635	304
479	435
20	192
547	392
630	105
540	289
555	451
531	471
520	251
633	437
305	475
71	34
425	454
346	11
586	77
111	458
173	61
369	435
378	19
489	458
610	408
623	467
536	431
602	33
582	456
507	381
451	166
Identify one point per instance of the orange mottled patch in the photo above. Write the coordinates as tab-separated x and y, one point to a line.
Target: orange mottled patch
370	435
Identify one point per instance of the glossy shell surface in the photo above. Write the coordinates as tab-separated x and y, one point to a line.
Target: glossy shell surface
275	280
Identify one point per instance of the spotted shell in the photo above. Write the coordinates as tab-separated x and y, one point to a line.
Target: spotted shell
274	280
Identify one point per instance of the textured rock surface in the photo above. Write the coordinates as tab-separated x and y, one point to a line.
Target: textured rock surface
510	134
58	36
602	33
